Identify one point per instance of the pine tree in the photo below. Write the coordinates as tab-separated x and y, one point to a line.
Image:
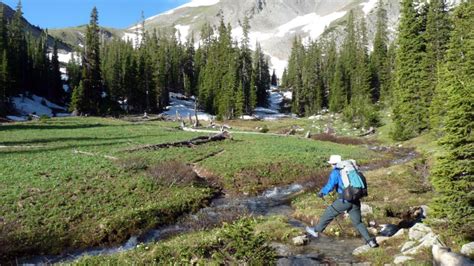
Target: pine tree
17	52
378	58
4	80
437	35
284	78
92	88
274	79
409	108
454	173
56	85
74	73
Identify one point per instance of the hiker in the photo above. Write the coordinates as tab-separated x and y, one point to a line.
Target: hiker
340	205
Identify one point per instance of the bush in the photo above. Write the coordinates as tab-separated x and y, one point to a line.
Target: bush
264	129
170	173
340	140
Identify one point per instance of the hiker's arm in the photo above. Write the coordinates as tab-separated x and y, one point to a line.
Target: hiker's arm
332	182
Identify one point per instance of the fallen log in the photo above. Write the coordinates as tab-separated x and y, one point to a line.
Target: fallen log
369	132
186	143
94	154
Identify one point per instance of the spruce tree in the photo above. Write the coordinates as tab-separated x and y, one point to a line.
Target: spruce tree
274	79
4	79
56	90
17	52
378	58
93	90
454	172
409	108
437	35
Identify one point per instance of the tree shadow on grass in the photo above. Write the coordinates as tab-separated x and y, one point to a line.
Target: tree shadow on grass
65	139
18	126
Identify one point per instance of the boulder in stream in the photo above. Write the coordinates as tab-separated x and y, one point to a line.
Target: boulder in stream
300	240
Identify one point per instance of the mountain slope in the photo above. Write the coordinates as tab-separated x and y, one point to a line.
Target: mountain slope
274	23
35	31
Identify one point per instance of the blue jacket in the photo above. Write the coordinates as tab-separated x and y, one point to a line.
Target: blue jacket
334	181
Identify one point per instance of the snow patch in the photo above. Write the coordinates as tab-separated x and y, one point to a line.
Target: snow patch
288	95
16	118
133	38
279	65
183	32
368	6
193	3
37	105
312	23
183	107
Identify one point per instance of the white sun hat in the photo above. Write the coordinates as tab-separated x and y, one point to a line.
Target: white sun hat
334	159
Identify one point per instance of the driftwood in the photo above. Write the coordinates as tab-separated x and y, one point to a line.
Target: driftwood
369	132
186	143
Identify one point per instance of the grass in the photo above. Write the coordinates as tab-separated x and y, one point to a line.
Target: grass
54	199
238	243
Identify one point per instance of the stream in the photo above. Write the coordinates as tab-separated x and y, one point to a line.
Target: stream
275	201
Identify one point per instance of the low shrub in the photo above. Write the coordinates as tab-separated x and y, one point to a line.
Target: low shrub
170	173
133	164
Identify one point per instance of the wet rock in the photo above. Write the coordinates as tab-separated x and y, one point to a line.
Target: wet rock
361	250
418	231
401	259
300	240
468	249
366	209
444	256
281	250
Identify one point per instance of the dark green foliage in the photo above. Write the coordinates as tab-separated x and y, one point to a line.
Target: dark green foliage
437	35
17	52
412	86
56	91
274	79
379	62
454	173
93	91
261	77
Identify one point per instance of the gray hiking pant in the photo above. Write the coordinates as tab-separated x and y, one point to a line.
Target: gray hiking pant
338	207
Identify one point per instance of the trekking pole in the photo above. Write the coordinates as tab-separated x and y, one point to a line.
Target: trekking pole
327	204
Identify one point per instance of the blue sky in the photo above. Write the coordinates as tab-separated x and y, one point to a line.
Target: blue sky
112	13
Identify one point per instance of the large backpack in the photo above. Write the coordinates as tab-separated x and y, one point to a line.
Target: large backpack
355	185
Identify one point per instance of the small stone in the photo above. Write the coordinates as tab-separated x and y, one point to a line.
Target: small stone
418	231
408	245
381	239
468	249
360	250
366	209
300	240
400	259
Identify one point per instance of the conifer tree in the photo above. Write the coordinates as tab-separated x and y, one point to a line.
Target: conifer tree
274	79
93	90
284	78
17	52
454	172
74	73
4	79
409	108
378	58
437	35
245	72
56	85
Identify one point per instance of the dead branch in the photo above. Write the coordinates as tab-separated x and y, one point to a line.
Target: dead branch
94	154
187	143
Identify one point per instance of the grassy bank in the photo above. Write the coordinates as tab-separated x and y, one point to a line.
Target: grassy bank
68	183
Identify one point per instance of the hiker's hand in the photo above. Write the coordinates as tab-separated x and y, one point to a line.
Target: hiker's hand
321	195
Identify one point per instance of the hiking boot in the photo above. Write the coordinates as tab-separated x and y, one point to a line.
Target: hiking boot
372	243
311	231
